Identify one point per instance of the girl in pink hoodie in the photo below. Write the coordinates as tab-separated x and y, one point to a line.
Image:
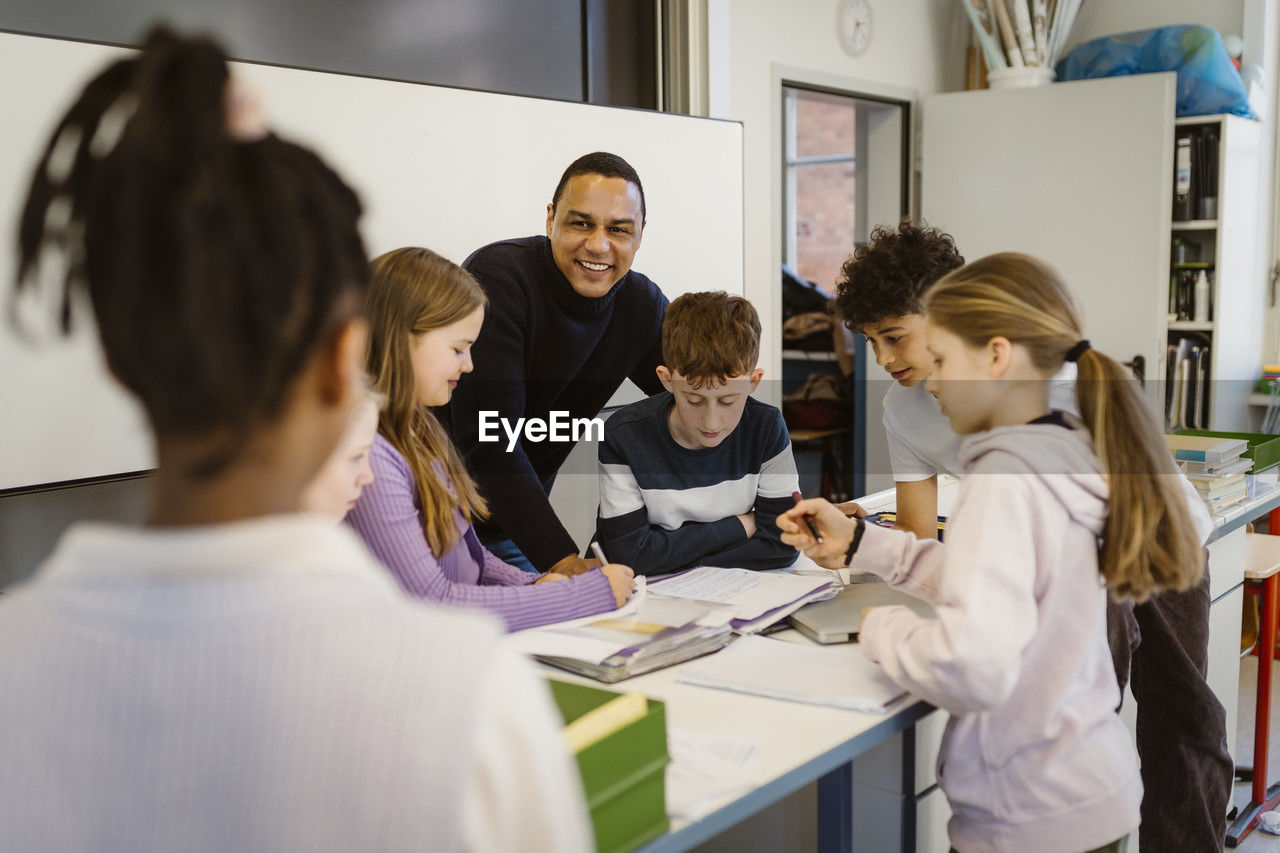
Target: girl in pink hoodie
1052	512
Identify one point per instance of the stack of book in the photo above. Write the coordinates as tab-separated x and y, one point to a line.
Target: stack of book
1214	467
620	744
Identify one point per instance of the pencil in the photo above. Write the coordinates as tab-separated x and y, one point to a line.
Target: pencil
808	519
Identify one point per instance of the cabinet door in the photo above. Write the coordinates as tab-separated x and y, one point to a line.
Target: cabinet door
1078	174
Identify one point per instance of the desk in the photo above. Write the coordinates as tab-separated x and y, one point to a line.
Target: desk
795	745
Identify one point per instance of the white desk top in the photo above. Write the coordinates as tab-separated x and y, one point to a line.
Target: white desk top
795	744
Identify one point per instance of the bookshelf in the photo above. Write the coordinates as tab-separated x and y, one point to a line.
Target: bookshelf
1211	364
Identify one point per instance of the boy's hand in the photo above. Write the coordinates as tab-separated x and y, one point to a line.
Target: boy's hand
748	520
836	530
852	510
622	581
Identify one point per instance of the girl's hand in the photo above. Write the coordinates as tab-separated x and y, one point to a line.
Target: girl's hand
622	581
551	576
835	528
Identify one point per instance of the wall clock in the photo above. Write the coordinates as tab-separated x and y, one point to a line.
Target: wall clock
853	25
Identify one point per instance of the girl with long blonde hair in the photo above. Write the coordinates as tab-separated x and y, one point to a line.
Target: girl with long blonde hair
424	313
1052	512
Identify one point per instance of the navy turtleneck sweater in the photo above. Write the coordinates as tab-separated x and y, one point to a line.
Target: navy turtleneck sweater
543	348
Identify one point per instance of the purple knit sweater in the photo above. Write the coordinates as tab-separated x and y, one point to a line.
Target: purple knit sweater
387	518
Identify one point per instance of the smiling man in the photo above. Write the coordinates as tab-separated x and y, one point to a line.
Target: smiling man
568	321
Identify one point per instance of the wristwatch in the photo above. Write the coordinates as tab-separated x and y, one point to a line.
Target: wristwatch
859	528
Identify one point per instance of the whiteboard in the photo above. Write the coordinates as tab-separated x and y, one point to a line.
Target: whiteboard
449	169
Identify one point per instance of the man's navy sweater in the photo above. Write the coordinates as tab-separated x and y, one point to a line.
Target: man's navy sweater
543	348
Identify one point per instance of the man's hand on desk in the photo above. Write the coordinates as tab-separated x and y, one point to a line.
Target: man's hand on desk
573	565
835	528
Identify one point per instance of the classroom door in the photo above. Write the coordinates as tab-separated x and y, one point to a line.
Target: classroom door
1079	174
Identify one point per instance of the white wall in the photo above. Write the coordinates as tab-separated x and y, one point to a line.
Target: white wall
917	46
1107	18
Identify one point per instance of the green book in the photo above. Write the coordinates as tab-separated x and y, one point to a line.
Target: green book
623	771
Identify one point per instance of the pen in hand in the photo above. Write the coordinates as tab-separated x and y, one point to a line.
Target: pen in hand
808	520
599	552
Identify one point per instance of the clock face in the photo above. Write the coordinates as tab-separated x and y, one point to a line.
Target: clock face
853	25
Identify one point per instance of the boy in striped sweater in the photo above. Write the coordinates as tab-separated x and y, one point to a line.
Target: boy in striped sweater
698	474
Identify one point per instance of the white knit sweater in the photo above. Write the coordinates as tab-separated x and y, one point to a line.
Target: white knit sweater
264	686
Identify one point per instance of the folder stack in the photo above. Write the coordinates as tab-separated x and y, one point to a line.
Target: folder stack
1214	466
620	744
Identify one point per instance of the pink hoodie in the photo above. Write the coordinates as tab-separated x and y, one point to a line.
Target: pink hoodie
1034	756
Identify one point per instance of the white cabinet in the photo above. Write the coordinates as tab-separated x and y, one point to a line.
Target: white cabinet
1080	175
897	805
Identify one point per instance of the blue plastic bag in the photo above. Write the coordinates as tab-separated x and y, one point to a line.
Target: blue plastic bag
1208	83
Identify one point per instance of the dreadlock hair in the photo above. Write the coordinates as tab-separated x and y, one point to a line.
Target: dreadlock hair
214	267
1148	541
413	291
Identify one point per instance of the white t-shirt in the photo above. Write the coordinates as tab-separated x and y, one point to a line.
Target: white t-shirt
921	441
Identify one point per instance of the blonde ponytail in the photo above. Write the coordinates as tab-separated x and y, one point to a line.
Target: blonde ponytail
1148	542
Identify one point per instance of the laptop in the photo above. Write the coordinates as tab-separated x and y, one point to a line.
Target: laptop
836	620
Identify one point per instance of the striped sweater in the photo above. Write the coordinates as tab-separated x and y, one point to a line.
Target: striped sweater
388	520
664	507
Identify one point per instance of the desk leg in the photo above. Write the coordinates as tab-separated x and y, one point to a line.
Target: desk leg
1261	799
835	811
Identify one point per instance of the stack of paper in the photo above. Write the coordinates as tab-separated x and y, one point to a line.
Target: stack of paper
836	676
754	600
1214	467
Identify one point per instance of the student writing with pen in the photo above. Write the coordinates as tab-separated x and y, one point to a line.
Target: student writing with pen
1159	646
1053	513
417	515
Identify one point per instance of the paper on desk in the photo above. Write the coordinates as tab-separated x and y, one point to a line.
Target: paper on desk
705	768
749	593
837	676
777	614
596	638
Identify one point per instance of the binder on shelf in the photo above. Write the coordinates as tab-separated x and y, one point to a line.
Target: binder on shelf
623	767
1200	367
1187	390
1182	170
1207	188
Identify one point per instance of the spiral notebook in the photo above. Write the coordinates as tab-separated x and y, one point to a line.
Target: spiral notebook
834	676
